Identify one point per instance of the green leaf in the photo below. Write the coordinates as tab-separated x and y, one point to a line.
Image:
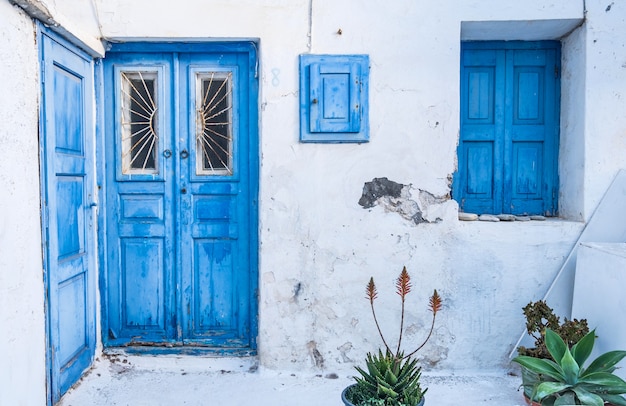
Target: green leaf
570	368
605	362
615	399
390	378
566	400
582	349
588	398
550	388
387	392
555	344
608	382
541	366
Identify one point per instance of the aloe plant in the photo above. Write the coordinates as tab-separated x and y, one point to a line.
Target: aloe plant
566	382
388	381
392	378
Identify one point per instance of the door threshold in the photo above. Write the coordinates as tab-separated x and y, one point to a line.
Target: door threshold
169	349
122	360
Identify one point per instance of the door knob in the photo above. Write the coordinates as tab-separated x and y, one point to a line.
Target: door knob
167	153
184	154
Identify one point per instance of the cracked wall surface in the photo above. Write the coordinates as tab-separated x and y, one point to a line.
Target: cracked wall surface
397	198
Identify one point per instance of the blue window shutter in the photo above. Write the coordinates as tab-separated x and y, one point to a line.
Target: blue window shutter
531	135
334	98
335	95
508	147
478	181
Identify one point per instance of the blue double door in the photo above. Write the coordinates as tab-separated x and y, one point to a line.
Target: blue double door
181	163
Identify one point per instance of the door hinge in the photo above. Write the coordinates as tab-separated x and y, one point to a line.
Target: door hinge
43	71
556	71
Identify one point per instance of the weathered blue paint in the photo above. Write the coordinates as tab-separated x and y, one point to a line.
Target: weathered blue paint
67	197
334	98
181	260
508	148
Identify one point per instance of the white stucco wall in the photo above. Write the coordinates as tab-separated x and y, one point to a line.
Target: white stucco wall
22	326
605	123
77	21
318	246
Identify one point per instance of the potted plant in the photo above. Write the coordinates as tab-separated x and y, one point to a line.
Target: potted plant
539	317
566	382
391	378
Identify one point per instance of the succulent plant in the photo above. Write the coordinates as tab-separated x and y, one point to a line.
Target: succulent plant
539	317
566	382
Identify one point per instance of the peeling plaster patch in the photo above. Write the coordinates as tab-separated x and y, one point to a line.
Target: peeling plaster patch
435	355
343	350
608	8
377	188
316	356
437	348
396	197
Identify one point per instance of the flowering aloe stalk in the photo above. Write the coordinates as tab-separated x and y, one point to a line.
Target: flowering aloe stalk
403	288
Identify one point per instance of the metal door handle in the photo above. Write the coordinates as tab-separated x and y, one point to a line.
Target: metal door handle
184	154
167	153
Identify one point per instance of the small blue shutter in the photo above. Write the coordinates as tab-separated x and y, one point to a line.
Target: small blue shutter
508	148
334	98
335	95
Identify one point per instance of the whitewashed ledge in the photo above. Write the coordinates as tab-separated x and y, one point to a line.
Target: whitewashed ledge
494	218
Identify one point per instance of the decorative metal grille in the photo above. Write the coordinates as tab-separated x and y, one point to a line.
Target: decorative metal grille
214	142
140	139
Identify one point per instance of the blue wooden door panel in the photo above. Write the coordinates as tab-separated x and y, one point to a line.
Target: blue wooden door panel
67	89
141	267
145	287
181	271
509	128
214	289
215	222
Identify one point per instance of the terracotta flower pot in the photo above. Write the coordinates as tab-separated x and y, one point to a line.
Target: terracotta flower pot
533	403
346	402
530	402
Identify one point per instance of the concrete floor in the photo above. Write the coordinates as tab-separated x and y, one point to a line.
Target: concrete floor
202	381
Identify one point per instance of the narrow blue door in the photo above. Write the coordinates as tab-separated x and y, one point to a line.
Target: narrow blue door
508	148
181	148
67	197
217	201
